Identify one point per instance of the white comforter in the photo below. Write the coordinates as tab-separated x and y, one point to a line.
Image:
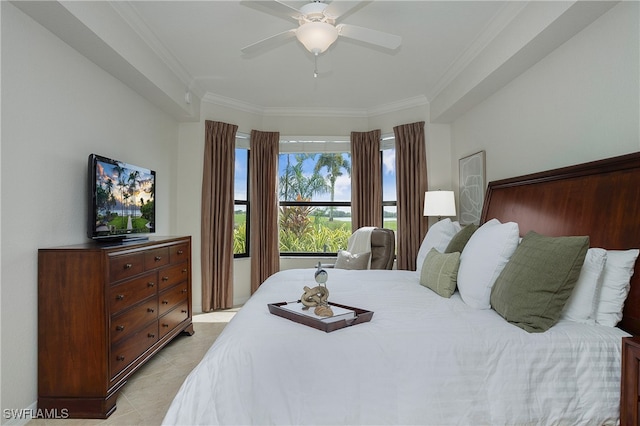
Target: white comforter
422	359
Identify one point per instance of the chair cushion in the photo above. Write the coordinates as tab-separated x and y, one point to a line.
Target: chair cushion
383	248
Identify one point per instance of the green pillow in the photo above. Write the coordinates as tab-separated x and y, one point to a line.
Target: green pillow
440	272
459	240
536	283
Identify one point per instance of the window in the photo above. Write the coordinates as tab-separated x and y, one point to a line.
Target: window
241	198
389	197
315	196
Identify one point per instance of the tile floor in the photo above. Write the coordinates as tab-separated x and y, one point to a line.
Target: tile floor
146	397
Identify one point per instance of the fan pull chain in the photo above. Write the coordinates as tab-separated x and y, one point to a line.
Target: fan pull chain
315	64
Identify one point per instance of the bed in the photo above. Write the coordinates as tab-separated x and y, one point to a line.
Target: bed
428	359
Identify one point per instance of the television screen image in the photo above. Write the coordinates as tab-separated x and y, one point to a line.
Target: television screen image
122	200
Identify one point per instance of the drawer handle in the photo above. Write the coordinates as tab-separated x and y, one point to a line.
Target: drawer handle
165	278
158	258
165	325
151	310
150	284
184	311
120	358
151	335
120	327
128	266
183	291
165	302
180	251
120	297
184	271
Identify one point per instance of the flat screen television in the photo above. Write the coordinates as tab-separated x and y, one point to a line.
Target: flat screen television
121	200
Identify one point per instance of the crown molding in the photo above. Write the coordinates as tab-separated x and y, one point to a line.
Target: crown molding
416	101
315	112
413	102
505	15
131	16
226	102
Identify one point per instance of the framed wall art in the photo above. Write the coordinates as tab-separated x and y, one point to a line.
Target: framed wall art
472	187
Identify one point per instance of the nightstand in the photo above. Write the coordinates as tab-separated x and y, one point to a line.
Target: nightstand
630	384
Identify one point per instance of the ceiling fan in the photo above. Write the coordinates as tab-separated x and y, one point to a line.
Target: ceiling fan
317	29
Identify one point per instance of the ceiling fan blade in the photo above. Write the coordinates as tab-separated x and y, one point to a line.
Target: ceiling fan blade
386	40
269	42
338	9
274	7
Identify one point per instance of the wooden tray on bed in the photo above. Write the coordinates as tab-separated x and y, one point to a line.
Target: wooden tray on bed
361	315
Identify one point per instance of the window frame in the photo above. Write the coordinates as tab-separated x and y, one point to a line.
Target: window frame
313	145
242	142
387	141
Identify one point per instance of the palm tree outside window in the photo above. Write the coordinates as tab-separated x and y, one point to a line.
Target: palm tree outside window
335	164
315	202
314	177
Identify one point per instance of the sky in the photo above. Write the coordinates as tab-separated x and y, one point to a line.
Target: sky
106	171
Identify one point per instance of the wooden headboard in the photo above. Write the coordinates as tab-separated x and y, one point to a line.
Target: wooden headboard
600	199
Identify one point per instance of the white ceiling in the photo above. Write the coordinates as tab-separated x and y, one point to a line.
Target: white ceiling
205	37
454	54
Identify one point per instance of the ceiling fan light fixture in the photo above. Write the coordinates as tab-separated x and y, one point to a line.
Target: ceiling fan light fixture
313	12
317	36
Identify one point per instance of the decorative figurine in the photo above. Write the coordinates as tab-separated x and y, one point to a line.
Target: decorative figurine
321	275
318	296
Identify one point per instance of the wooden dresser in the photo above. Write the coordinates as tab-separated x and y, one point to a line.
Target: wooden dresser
103	311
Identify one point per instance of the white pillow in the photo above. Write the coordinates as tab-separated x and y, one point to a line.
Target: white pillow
582	304
616	275
347	260
483	258
438	237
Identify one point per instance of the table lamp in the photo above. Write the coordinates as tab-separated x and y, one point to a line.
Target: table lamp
439	203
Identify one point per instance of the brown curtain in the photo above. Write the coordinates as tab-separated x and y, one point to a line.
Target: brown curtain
366	179
411	184
217	215
265	253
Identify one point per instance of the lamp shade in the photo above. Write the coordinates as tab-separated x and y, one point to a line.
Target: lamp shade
439	203
317	36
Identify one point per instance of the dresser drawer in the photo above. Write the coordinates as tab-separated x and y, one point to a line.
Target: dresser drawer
173	275
179	252
156	258
174	317
171	297
128	293
127	322
125	266
125	352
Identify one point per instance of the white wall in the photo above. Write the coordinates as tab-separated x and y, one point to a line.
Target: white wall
580	103
57	108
